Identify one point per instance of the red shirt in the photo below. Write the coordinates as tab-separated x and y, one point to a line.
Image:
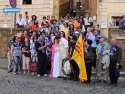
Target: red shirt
42	24
34	27
51	21
22	38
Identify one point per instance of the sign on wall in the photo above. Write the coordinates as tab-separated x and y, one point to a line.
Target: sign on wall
104	22
102	8
13	3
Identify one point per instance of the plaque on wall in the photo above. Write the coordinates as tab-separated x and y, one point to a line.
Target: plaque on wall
104	22
102	8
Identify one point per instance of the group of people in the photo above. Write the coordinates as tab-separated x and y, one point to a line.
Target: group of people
51	41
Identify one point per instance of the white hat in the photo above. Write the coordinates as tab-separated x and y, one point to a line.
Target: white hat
77	32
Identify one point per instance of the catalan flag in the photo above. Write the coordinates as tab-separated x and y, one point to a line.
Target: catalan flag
78	56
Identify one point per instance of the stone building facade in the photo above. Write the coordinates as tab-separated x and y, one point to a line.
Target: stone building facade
40	8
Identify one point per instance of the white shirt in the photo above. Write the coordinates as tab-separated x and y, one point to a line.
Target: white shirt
61	26
65	42
44	29
27	21
87	20
63	45
83	28
20	21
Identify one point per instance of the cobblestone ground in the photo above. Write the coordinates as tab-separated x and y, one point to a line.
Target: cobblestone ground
28	84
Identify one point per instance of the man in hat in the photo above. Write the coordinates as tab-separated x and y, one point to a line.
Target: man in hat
101	51
27	20
76	34
115	60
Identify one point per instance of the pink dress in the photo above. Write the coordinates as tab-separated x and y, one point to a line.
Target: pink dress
55	69
52	61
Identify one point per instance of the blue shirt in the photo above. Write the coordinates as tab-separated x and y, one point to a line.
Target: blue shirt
121	24
42	44
57	33
74	9
93	42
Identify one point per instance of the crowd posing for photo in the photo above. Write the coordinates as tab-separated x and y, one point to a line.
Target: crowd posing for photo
44	47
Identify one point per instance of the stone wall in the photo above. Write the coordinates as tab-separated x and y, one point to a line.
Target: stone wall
120	36
39	8
64	10
4	37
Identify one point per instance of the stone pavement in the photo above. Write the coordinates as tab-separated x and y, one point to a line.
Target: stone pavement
3	63
28	84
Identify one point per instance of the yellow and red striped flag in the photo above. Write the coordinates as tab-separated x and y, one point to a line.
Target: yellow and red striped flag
78	56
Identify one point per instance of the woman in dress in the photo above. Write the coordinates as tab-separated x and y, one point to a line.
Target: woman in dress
16	54
55	69
49	48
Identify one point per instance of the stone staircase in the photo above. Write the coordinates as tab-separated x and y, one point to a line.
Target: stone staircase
80	13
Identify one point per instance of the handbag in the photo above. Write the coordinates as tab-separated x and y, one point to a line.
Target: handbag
33	66
66	67
89	56
117	72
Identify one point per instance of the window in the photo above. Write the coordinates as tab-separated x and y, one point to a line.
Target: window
25	2
115	20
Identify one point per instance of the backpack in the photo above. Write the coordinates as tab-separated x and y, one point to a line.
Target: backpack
66	68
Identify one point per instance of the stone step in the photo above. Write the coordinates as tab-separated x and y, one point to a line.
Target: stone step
18	34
